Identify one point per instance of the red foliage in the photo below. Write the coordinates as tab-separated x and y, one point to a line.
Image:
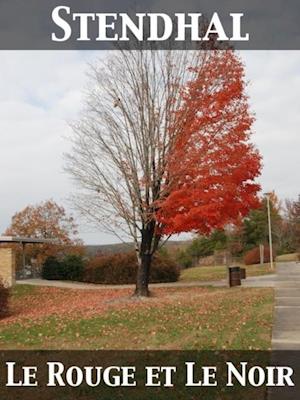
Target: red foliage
212	164
253	256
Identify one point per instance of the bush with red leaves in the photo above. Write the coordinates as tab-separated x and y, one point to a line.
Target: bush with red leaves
122	269
253	256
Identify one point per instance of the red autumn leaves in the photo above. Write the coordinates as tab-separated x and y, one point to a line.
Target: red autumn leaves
212	165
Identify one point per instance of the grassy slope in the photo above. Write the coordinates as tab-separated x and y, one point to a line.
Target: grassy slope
288	257
220	272
200	318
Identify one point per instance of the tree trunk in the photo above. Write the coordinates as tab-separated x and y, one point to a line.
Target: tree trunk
143	273
144	260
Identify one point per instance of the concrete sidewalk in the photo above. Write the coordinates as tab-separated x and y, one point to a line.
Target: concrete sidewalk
286	330
91	286
262	281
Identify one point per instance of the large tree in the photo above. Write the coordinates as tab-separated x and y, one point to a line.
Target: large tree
212	163
46	220
163	147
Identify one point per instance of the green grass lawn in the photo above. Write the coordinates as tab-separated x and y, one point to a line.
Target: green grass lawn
189	318
288	257
220	272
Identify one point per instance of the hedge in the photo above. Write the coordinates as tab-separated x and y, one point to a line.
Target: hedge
4	299
70	268
253	256
122	269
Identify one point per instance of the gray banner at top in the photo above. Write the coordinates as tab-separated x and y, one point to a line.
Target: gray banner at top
111	24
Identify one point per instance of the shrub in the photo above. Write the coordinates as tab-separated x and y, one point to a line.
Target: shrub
184	259
164	269
4	297
122	269
70	268
253	256
51	269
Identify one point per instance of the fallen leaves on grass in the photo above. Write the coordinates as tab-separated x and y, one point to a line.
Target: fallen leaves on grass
71	303
173	318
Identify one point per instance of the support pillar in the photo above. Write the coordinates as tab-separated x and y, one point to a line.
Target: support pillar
8	266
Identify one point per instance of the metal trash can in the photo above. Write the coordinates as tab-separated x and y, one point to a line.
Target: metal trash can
234	276
243	273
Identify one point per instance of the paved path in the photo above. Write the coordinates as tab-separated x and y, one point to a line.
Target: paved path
91	286
286	330
263	281
258	281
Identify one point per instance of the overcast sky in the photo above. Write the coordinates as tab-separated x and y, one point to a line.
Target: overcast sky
41	91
